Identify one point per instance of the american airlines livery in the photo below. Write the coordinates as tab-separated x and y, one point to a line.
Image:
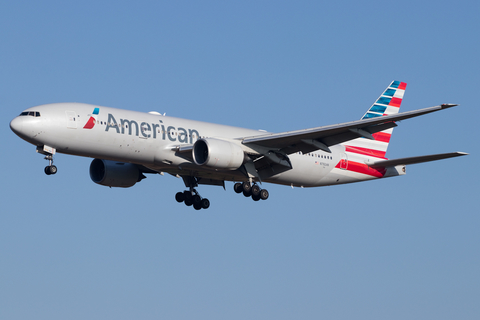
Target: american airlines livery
126	145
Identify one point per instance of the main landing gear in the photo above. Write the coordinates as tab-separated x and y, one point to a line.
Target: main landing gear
251	191
191	197
50	169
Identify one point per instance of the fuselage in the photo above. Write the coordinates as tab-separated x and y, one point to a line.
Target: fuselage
153	140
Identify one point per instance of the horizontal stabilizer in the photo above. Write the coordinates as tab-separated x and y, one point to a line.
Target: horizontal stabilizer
413	160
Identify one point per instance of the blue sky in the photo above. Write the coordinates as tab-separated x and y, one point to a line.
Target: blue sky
400	248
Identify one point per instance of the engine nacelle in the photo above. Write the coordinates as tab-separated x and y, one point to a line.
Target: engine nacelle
114	174
219	154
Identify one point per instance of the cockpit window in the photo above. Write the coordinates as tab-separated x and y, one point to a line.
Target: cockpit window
30	113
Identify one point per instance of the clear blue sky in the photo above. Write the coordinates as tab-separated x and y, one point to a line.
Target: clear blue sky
401	248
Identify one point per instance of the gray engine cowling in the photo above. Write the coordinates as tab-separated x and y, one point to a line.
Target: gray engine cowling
219	154
114	174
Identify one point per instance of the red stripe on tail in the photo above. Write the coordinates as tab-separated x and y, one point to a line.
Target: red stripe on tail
366	151
395	102
364	169
382	136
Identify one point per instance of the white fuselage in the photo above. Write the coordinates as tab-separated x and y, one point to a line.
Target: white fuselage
152	140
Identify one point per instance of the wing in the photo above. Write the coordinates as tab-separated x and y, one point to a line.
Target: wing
321	138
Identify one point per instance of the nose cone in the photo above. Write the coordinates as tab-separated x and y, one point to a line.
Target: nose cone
17	126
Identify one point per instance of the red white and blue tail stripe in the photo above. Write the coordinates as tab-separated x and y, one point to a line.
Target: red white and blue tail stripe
388	103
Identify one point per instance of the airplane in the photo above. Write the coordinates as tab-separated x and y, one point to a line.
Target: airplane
125	145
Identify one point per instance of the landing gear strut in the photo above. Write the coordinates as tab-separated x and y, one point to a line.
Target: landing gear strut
251	191
50	169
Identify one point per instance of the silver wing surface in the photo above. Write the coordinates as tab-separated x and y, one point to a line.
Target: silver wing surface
321	138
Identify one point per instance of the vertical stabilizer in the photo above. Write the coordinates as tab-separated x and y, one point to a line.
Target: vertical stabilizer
387	104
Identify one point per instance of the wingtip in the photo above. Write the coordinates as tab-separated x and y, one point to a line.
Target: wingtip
448	105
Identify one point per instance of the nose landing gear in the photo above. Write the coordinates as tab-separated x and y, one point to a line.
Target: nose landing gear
50	169
48	152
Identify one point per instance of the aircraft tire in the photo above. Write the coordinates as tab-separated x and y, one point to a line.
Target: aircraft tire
264	194
50	170
247	187
256	190
180	197
188	195
205	203
197	206
238	187
256	197
197	199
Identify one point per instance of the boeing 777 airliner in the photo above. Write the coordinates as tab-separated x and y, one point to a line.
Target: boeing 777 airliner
126	145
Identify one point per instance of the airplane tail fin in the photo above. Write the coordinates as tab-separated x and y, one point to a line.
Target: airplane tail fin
387	104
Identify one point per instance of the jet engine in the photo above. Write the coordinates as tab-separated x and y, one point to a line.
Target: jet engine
219	154
114	174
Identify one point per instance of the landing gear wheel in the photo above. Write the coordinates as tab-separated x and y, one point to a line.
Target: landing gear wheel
247	187
180	197
197	206
256	190
205	203
238	187
255	197
197	199
264	194
50	170
188	195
